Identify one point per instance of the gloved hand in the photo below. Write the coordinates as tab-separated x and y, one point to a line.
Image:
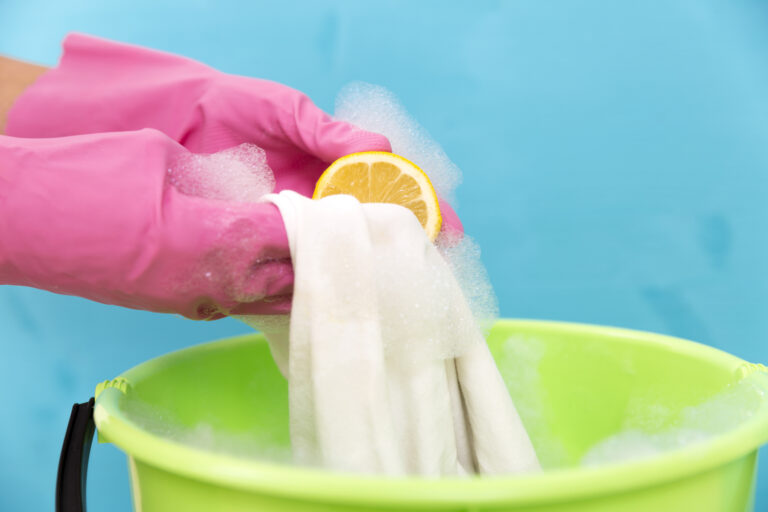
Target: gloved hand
94	216
101	85
104	86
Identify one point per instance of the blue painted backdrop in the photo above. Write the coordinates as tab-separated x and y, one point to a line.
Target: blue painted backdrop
615	158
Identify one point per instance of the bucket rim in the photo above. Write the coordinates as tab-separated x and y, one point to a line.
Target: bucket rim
322	486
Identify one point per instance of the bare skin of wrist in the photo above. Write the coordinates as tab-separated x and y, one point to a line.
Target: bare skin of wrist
15	77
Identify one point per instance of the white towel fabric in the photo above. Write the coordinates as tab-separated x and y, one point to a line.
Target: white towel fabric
388	371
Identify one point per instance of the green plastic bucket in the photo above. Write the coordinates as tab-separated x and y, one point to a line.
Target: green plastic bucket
574	386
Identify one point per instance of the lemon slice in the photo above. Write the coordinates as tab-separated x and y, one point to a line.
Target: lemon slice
379	177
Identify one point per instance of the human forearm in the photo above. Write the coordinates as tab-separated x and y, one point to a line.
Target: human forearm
15	77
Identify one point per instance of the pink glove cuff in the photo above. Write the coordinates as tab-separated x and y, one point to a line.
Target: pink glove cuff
100	85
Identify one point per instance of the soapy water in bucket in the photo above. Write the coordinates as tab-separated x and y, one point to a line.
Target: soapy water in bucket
205	436
695	424
648	427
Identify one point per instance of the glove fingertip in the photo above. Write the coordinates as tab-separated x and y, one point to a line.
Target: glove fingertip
365	141
327	138
452	230
335	139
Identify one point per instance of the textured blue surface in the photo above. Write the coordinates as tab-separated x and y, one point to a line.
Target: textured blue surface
615	158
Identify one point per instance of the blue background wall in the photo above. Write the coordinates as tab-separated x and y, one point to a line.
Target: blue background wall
614	153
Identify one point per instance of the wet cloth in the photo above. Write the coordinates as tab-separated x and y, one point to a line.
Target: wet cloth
388	371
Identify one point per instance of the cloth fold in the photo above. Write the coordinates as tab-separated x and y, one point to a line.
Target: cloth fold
388	371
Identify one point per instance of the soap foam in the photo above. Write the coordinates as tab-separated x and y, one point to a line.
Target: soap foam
205	436
376	109
518	358
464	259
424	290
238	174
721	413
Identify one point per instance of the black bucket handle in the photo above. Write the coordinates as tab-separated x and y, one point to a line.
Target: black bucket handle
73	462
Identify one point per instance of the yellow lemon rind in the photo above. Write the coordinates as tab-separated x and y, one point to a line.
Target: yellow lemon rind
378	156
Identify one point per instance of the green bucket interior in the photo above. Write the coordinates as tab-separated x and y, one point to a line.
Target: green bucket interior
574	386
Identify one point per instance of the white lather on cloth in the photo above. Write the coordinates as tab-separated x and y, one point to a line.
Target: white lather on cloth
388	371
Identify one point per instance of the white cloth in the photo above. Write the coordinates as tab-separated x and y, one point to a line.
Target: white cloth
388	372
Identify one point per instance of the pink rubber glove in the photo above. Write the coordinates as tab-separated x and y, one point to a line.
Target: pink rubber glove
93	216
105	86
101	85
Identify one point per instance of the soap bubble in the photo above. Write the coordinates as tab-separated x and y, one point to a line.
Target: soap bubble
463	258
519	357
635	444
376	109
238	174
203	435
721	413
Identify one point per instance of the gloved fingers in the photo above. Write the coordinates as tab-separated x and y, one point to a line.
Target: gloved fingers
451	222
225	254
452	231
318	134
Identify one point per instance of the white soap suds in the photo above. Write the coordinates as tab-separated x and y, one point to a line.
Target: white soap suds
698	423
205	436
519	358
376	109
238	174
634	445
464	260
